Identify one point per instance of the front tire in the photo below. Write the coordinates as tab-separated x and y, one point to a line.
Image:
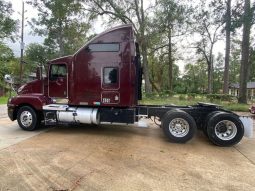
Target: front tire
27	118
178	126
225	129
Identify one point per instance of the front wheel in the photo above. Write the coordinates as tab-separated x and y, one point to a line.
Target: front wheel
27	118
178	126
225	129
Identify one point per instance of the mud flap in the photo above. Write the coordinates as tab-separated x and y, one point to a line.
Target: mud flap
248	126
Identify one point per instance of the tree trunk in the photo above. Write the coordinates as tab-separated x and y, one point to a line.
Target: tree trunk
210	71
227	51
60	39
209	78
148	88
247	18
170	60
141	20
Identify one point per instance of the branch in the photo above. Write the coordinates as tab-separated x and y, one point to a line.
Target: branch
137	12
160	47
117	14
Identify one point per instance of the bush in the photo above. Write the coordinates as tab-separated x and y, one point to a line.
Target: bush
166	94
220	97
150	95
191	96
182	97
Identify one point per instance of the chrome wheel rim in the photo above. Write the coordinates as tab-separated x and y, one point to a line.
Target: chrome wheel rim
26	118
179	127
225	130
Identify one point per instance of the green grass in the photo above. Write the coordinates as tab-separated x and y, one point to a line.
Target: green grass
232	106
237	107
3	100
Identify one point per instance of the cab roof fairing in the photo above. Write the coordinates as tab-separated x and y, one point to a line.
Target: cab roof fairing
105	32
69	57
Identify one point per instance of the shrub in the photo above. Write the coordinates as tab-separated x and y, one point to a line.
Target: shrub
220	97
191	96
166	94
182	97
150	95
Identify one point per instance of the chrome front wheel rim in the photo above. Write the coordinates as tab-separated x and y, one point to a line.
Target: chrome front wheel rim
179	127
26	118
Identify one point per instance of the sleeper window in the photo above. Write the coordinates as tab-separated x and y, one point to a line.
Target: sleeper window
104	47
110	75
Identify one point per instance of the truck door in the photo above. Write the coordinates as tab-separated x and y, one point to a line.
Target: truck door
58	81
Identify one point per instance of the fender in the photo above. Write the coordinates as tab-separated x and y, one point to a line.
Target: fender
35	100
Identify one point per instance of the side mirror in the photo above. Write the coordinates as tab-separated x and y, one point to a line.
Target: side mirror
8	79
39	73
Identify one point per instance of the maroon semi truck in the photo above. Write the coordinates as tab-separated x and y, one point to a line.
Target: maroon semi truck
102	85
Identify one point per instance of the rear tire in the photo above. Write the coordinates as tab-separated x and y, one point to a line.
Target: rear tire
178	126
208	117
27	118
225	129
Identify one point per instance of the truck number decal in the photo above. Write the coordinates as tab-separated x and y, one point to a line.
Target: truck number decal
106	100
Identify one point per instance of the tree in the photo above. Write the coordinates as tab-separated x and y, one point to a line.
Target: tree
37	54
159	72
130	11
7	25
171	21
252	65
194	77
247	23
218	74
227	50
234	69
62	23
6	57
232	21
208	29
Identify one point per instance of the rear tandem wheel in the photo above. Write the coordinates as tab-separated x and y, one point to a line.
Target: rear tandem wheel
224	129
178	126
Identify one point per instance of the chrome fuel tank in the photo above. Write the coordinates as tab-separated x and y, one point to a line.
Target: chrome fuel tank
79	115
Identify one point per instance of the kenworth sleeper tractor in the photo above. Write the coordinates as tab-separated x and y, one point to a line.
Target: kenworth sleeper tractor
102	85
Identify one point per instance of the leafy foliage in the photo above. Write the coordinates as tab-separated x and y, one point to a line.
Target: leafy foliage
62	23
37	54
7	25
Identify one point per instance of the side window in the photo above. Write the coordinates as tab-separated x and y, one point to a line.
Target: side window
104	47
57	70
110	75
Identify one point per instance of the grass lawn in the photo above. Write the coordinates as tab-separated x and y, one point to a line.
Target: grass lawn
176	101
3	100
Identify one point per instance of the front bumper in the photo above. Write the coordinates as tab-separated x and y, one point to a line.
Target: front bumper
10	111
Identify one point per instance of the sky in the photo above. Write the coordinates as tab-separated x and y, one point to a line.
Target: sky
97	28
30	13
28	38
